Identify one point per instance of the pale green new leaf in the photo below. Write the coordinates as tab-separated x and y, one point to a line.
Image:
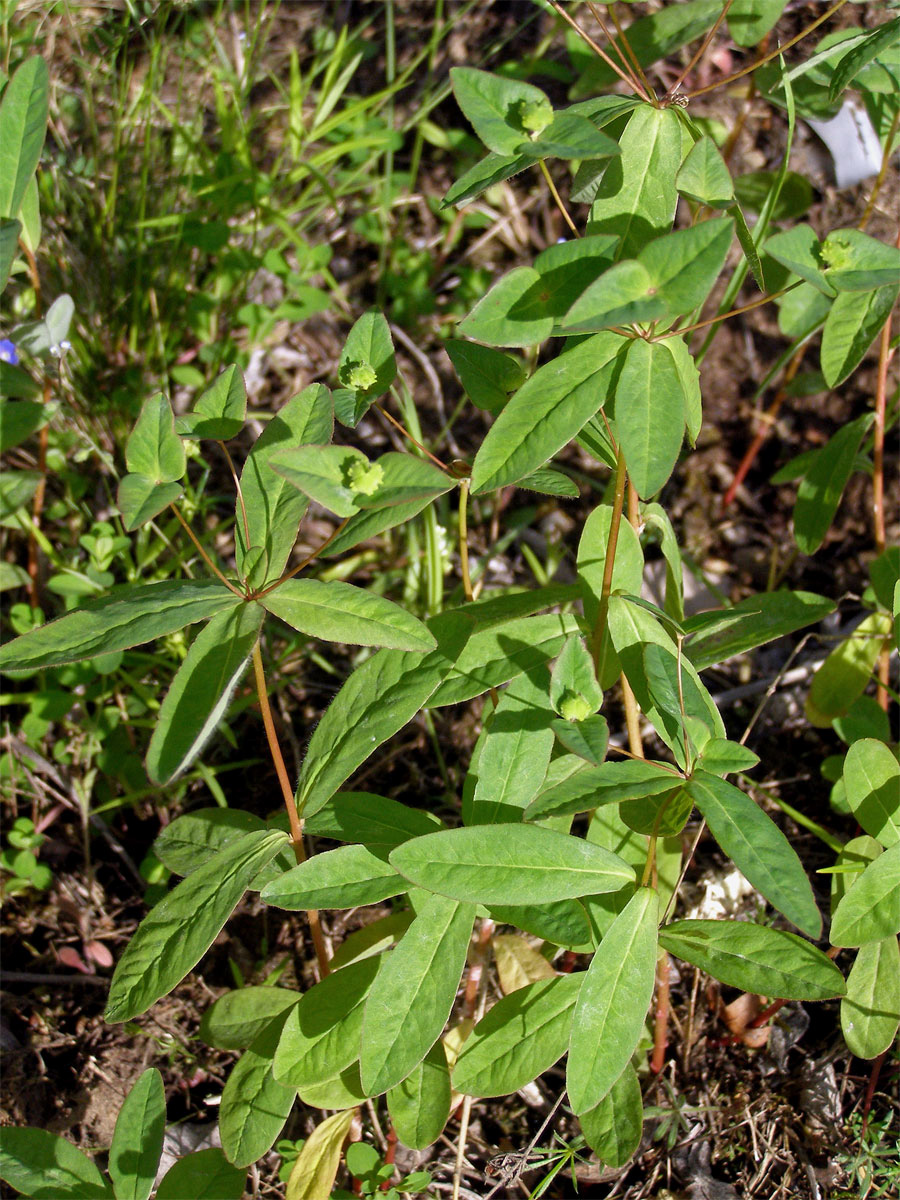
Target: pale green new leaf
758	849
755	958
613	1002
412	996
872	788
546	412
23	124
117	622
420	1105
870	1011
254	1104
138	1138
522	1036
175	935
316	1167
870	908
201	691
527	865
340	612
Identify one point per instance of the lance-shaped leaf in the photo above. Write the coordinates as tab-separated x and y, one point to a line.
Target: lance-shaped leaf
704	177
411	998
374	820
613	1127
376	701
623	295
589	739
201	691
237	1018
522	1036
47	1167
488	376
527	865
220	411
823	484
254	1104
367	367
870	1011
850	328
755	958
9	240
846	672
503	112
372	939
613	1002
491	169
274	509
118	622
650	415
714	637
869	911
607	783
315	1170
758	849
321	1036
872	786
341	878
637	196
546	412
561	922
340	612
176	934
203	1175
23	124
420	1104
138	1138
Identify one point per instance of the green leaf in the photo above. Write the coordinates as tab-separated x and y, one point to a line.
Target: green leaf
175	935
684	265
342	1090
324	473
608	783
322	1034
255	1106
153	448
19	419
562	923
341	878
880	40
723	757
274	508
637	195
40	1164
220	411
549	482
750	20
664	815
546	412
870	1011
138	1138
755	958
589	739
497	108
374	820
193	838
650	409
512	313
117	622
859	263
748	245
515	754
372	939
528	865
627	576
704	177
623	295
237	1018
884	573
411	998
573	676
823	484
203	1175
846	672
367	367
419	1105
656	520
758	849
494	168
340	612
140	499
375	702
613	1127
851	326
23	125
9	241
613	1002
870	908
715	636
488	376
872	785
800	251
522	1036
201	691
570	136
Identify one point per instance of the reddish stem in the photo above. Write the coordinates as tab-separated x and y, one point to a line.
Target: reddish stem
660	1025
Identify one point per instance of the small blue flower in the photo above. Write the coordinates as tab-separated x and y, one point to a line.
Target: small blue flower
8	353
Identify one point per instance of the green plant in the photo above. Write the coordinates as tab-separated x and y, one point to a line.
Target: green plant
20	860
557	840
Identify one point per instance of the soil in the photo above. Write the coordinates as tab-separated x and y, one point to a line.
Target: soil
734	1120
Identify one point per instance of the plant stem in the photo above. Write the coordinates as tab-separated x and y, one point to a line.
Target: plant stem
557	198
200	550
393	420
240	494
632	716
609	564
626	46
290	804
464	539
884	358
882	174
710	87
734	312
632	83
703	48
660	1024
